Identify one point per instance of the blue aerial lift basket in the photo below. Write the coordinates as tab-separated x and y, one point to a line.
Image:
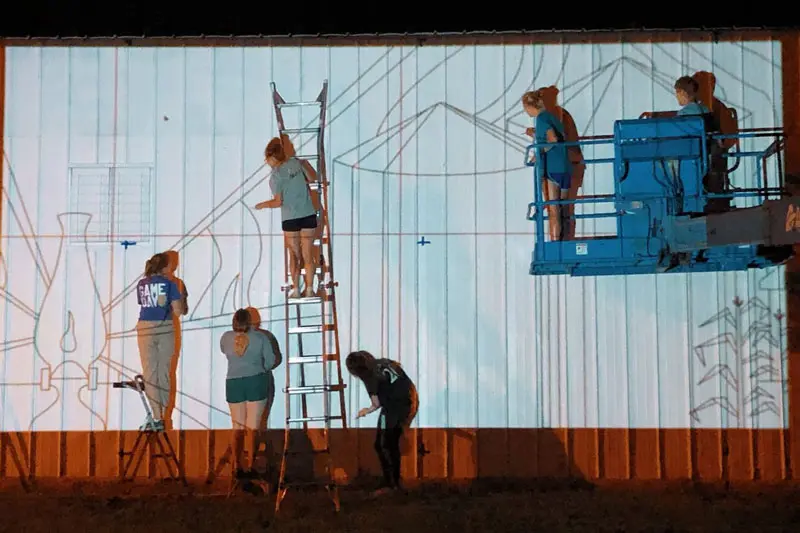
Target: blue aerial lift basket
662	208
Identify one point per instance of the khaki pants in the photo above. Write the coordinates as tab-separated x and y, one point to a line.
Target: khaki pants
156	346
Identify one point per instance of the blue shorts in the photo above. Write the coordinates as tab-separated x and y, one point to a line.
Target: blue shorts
561	179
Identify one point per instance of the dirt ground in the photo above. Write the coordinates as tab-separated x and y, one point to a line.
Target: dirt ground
163	507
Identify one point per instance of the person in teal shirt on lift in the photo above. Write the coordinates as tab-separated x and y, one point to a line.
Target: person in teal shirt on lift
715	180
553	167
686	89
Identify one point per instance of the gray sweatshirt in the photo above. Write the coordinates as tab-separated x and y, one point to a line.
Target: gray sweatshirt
249	354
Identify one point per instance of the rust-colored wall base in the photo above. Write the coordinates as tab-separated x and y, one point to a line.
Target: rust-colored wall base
439	454
790	59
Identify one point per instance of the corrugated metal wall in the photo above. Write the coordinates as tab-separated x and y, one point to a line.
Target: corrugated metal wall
422	141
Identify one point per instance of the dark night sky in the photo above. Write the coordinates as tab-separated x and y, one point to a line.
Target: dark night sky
47	18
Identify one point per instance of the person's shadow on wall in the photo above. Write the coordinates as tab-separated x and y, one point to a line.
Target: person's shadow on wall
482	459
174	262
300	463
550	99
726	120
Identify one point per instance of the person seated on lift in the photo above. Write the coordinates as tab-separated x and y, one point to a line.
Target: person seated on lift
686	91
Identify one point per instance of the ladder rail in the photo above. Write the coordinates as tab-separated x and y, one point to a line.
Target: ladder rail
277	101
329	292
326	231
322	180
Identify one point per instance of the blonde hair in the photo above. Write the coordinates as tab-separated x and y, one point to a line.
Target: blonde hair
533	99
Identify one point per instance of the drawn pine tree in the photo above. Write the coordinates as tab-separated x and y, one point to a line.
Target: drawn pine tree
751	365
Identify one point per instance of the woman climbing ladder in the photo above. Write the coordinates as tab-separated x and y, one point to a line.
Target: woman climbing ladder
289	185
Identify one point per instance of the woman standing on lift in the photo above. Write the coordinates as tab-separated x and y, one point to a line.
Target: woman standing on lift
553	167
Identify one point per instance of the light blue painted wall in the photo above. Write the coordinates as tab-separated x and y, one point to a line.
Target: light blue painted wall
421	141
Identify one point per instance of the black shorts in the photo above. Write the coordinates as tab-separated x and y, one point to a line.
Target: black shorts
296	224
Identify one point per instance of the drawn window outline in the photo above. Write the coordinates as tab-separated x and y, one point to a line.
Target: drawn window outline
90	191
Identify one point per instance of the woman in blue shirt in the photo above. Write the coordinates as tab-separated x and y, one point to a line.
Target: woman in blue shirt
290	191
553	167
159	300
251	359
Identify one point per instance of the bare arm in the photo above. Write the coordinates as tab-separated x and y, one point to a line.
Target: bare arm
178	307
184	294
659	114
308	170
376	404
551	138
275	202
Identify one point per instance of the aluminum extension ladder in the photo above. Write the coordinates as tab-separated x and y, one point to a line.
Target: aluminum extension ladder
311	341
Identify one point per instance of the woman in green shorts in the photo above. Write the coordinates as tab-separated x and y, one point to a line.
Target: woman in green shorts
250	357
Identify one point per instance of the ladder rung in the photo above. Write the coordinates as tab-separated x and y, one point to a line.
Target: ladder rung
299	330
315	185
316	328
312	419
299	104
314	389
318	242
301	130
306	359
318	270
310	359
313	359
301	301
307	156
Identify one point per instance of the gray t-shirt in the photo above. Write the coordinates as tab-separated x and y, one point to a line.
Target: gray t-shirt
249	354
289	180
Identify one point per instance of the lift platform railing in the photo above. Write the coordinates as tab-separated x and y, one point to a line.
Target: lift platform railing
538	206
762	191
